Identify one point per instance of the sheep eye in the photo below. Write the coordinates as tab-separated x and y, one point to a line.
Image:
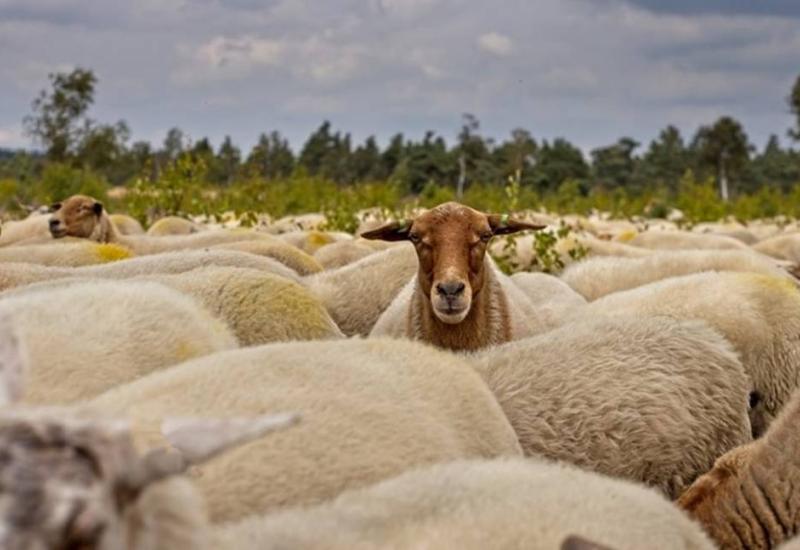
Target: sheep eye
486	237
414	238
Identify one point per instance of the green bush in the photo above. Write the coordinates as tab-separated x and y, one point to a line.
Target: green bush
59	181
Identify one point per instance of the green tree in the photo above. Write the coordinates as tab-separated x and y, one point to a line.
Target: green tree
517	155
794	105
103	149
474	155
271	157
366	162
229	159
614	165
775	166
59	118
558	162
666	160
723	149
316	148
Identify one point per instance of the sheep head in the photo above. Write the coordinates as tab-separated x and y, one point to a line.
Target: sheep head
451	242
68	480
78	216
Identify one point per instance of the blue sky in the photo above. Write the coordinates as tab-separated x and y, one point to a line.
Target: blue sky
589	70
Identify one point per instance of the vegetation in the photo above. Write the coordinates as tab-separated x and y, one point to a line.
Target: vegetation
717	173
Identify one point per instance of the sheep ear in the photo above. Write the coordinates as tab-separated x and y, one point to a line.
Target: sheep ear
55	207
394	231
97	208
199	439
574	542
13	362
503	224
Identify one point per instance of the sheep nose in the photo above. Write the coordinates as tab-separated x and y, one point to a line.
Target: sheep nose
54	224
450	289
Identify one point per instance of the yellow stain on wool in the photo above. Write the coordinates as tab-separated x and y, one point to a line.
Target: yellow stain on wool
111	252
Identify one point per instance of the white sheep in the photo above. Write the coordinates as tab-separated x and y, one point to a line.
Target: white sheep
597	277
458	299
473	505
648	399
85	339
72	481
759	315
343	253
19	274
126	225
784	247
551	298
751	498
34	226
172	225
371	409
357	294
288	255
68	254
258	307
311	241
683	240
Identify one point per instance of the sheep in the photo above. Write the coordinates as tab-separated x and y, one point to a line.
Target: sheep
290	256
502	503
357	294
758	314
750	498
303	222
33	227
85	218
597	277
172	225
69	481
311	241
552	298
678	240
71	254
258	307
371	409
126	225
18	274
648	399
342	253
437	305
84	339
793	544
784	247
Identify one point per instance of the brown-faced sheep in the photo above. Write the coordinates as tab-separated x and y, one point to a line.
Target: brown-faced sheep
357	294
85	339
474	505
458	299
648	399
597	277
751	498
371	409
758	314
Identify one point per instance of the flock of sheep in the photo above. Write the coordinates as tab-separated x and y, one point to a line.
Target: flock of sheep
287	387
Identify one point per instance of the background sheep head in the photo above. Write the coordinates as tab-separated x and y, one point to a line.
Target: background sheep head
78	216
451	242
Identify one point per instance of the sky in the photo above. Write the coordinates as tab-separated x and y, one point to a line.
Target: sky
588	70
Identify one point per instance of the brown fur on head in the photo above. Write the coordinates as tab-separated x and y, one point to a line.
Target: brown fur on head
80	216
451	242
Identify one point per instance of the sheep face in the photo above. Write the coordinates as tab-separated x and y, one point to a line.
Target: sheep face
58	484
78	216
451	242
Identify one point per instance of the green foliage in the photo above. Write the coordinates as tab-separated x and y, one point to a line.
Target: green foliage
178	191
60	181
699	200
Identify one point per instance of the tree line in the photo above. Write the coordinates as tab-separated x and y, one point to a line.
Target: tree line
60	124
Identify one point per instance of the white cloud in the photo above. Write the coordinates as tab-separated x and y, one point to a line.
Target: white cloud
11	137
229	58
495	43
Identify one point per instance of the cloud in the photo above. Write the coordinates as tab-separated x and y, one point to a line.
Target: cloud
11	137
495	43
726	7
